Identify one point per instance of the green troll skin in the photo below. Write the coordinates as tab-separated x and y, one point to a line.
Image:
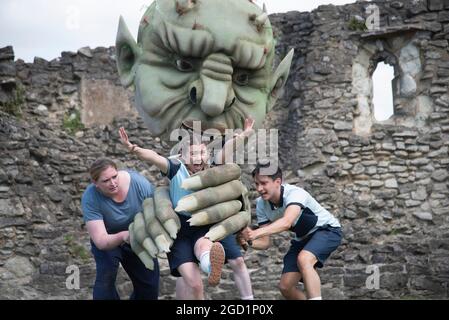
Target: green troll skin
201	60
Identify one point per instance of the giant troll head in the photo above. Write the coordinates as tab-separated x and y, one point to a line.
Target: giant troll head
206	60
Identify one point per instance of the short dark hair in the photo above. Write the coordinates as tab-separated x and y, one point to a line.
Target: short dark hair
263	164
99	166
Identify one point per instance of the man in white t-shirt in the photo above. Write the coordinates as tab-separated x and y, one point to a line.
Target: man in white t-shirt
283	207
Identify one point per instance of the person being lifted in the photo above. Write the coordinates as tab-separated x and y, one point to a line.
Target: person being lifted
190	245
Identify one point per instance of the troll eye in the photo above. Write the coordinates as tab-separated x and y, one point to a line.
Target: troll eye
184	65
241	79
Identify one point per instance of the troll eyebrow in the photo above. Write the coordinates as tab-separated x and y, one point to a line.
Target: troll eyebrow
197	43
249	55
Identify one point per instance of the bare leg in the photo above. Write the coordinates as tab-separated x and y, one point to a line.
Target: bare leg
312	283
211	256
288	286
191	285
202	245
241	277
183	292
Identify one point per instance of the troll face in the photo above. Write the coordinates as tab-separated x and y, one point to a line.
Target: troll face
201	60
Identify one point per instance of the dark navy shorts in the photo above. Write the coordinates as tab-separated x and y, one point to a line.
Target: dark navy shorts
321	243
182	250
231	247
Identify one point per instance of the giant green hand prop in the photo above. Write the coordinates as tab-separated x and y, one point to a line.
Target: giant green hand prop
221	201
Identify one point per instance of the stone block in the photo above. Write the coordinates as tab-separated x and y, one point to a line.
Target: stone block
435	5
391	183
426	282
19	266
426	216
7	54
7	69
440	175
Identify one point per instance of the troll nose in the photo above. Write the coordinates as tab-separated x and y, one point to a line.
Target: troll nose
215	97
214	91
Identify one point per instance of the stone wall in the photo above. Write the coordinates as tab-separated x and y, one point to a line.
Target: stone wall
386	181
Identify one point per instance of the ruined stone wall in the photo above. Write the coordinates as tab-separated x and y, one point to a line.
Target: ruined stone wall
387	181
44	163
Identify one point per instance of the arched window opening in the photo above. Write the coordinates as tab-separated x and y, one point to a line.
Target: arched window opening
383	91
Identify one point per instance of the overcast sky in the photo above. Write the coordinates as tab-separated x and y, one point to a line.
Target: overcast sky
45	28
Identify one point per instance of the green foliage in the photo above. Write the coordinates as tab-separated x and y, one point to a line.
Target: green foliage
356	25
76	250
14	107
395	232
72	122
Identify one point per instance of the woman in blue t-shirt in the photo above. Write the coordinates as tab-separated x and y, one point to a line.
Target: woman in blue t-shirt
109	205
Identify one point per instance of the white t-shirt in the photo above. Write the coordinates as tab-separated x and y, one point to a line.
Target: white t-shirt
312	216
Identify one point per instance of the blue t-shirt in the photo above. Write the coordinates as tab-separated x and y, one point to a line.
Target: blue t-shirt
116	216
177	173
312	216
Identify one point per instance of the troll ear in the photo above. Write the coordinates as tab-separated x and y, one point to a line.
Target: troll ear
127	53
279	79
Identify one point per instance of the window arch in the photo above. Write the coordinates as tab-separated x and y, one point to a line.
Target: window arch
383	77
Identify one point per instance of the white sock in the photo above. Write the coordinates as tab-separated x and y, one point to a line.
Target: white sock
251	297
316	298
205	262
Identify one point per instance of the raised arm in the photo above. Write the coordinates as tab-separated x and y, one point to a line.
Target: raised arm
226	153
147	155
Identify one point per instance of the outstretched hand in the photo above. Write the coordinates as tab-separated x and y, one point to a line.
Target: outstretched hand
248	234
249	123
248	126
242	241
124	139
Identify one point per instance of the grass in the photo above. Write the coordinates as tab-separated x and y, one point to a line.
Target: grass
356	25
14	107
72	122
76	250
